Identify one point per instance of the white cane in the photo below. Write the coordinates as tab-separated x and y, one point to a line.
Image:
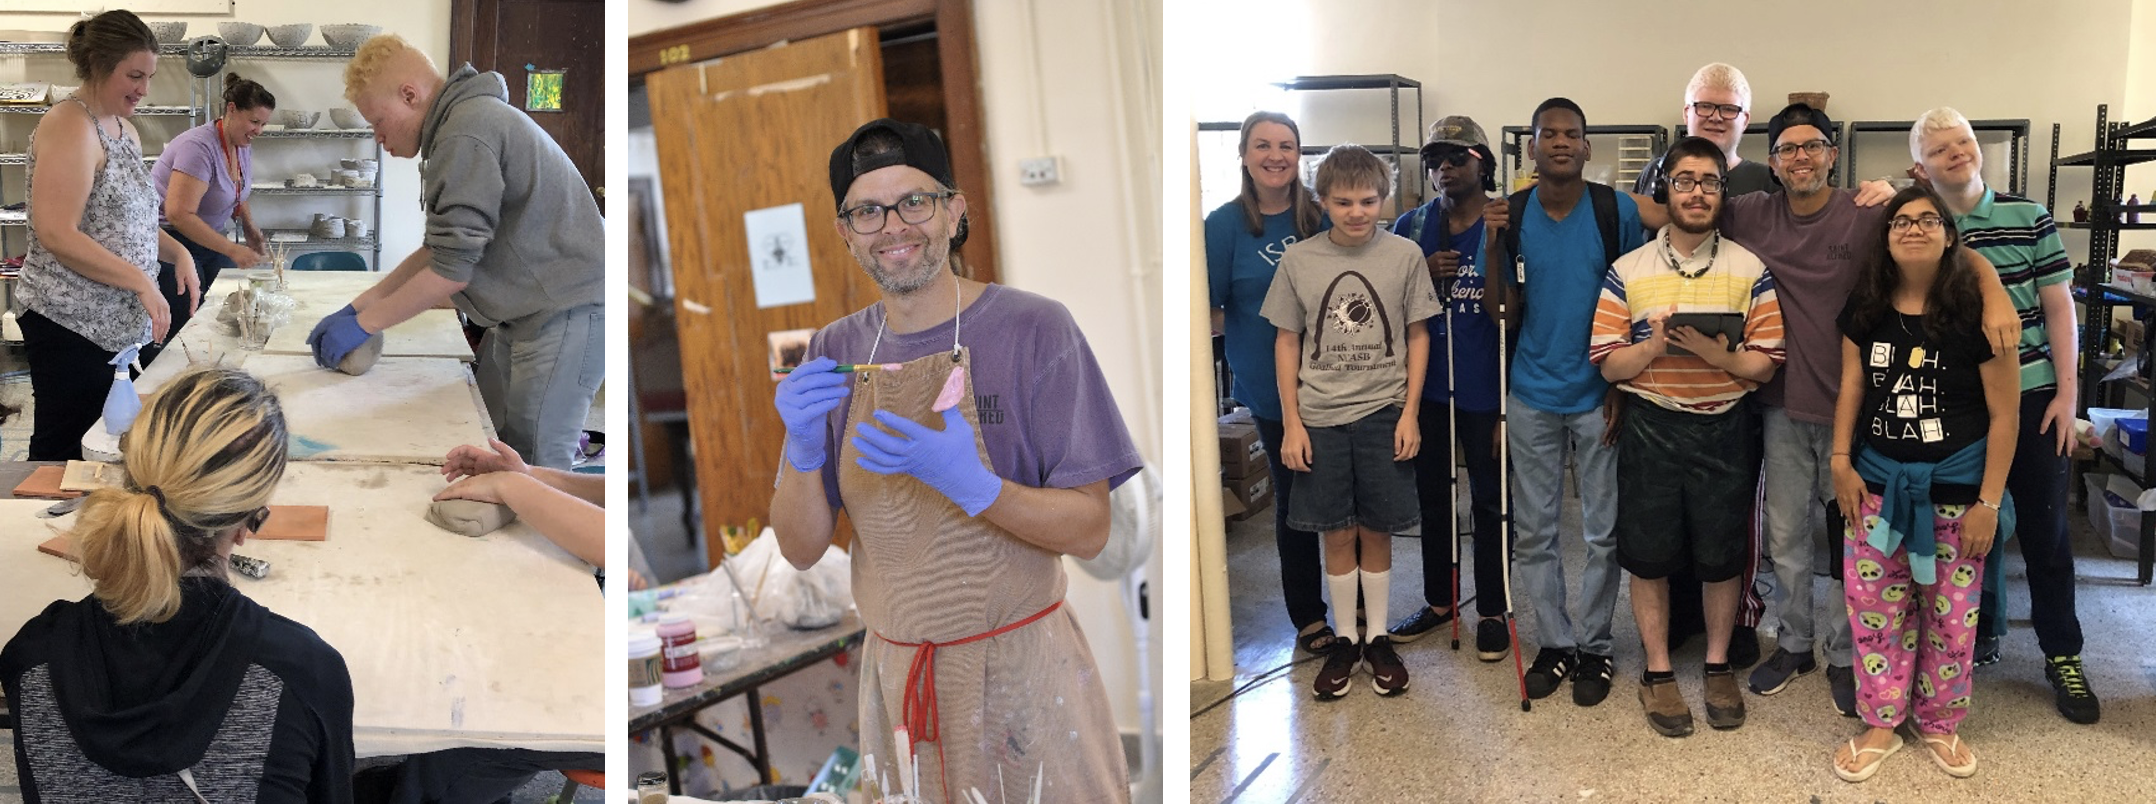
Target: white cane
1504	467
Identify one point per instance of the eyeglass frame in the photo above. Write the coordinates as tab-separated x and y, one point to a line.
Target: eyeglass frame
1811	148
1454	155
1925	223
883	220
1686	184
1722	111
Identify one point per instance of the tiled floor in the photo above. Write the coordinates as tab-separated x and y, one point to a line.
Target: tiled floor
1458	734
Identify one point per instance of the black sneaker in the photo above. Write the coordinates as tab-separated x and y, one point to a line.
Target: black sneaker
1492	641
1551	668
2070	689
1743	648
1339	669
1842	682
1779	669
1988	651
1387	675
1421	623
1591	682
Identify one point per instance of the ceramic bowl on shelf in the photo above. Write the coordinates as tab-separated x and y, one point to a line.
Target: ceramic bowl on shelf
346	117
239	34
298	118
348	36
293	35
61	93
169	32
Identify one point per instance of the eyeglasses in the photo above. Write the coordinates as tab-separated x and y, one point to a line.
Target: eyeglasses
254	522
1926	223
1708	111
868	219
1685	184
1813	148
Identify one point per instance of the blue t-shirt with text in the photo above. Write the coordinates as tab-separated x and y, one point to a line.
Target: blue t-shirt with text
1474	347
1240	270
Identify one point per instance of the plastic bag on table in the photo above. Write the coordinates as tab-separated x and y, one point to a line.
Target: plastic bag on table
816	598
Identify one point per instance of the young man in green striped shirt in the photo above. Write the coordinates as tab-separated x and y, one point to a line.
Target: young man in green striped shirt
2018	237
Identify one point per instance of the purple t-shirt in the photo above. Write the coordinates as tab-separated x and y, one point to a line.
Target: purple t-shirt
1045	410
196	153
1814	259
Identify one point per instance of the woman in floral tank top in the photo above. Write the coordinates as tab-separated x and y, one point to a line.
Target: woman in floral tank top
90	278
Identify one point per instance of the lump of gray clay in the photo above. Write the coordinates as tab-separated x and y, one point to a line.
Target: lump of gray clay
362	357
470	517
230	312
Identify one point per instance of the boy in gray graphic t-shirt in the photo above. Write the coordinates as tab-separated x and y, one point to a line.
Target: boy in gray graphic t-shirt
1351	352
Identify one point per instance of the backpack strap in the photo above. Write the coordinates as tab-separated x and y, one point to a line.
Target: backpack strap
1516	210
1604	199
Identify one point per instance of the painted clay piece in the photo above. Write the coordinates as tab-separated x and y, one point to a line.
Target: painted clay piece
954	389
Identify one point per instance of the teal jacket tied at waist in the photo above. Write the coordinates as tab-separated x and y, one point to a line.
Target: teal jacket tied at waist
1905	504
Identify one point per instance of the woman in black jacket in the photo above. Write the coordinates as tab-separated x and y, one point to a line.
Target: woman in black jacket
166	683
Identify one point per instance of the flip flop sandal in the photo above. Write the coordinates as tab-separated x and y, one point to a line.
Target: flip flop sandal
1318	640
1867	771
1952	744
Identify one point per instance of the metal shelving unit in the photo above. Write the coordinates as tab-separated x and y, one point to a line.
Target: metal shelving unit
2112	154
2017	173
1396	151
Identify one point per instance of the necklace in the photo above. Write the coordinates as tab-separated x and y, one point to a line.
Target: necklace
1916	353
1669	253
956	300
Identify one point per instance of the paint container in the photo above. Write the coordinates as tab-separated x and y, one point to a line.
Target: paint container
651	789
645	669
679	663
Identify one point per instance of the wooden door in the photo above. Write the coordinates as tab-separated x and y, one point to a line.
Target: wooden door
748	132
519	37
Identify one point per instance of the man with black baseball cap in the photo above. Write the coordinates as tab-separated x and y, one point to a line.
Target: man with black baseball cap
969	434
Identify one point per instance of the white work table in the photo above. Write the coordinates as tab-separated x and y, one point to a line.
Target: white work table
432	333
406	410
451	641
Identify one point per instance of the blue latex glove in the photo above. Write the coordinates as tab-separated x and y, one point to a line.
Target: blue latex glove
944	459
322	326
336	336
805	398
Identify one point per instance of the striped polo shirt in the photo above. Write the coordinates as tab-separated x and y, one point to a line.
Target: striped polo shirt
2017	236
1642	283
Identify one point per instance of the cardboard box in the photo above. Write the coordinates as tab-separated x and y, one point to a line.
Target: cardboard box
1242	455
1253	493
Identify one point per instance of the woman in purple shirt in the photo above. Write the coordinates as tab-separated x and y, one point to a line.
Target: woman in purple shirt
202	178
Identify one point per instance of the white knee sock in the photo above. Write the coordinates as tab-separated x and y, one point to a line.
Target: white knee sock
1343	604
1375	586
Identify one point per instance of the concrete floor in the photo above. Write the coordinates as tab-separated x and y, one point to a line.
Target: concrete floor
1458	734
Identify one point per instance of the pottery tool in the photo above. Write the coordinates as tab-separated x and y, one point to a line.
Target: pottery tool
848	368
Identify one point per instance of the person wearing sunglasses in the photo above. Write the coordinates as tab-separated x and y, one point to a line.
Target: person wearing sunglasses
1449	229
1718	106
2017	235
167	683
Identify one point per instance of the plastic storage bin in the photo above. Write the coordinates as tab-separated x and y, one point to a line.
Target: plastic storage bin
2112	515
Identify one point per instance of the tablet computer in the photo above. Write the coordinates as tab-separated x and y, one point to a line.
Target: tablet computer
1708	324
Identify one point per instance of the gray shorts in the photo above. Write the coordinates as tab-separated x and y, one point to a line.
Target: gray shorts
1353	480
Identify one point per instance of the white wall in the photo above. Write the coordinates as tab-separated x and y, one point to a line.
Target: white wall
1069	80
1628	63
314	85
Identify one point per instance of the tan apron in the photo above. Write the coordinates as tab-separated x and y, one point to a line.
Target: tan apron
968	629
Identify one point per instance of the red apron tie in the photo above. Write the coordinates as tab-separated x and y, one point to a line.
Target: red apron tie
919	708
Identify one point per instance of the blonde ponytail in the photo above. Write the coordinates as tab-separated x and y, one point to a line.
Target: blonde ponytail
203	456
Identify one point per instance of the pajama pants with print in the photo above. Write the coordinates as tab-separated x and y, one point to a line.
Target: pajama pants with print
1901	628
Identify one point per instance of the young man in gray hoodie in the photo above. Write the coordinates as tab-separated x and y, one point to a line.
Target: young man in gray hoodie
513	238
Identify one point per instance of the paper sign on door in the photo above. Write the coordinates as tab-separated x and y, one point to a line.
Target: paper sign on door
778	255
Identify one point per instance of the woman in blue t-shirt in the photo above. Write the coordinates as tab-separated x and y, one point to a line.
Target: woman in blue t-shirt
1244	239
